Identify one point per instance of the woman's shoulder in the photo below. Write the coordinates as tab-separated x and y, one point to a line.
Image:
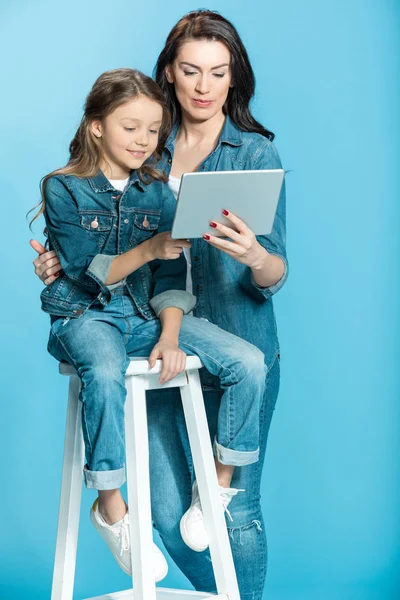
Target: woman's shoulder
258	148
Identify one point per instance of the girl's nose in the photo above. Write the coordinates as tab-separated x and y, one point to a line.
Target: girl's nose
142	139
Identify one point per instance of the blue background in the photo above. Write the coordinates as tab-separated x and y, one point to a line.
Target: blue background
327	84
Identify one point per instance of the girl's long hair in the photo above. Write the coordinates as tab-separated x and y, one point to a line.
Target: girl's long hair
110	90
210	25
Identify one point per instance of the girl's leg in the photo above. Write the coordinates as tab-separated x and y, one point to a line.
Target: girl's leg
94	345
241	370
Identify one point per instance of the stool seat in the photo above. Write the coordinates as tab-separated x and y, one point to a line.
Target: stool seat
138	366
139	379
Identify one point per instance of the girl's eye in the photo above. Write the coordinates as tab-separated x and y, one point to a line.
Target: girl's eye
154	131
129	128
188	73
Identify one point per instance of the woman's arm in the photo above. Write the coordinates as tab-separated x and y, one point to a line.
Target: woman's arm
265	255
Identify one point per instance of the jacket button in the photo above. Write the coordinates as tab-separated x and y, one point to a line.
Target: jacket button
78	312
126	221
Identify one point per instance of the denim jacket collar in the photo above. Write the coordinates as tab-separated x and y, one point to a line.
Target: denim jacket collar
230	134
100	183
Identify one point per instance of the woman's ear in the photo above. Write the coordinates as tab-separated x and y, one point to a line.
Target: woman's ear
168	74
95	127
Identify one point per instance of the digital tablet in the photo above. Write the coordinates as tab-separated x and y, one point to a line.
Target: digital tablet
251	195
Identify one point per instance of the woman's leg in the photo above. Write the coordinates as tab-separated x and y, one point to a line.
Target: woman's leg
246	531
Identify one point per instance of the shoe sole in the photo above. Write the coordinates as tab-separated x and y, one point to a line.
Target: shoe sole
186	539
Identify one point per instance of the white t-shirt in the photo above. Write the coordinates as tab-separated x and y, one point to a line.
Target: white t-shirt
173	183
119	184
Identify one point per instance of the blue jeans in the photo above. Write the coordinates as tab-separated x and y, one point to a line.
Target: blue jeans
99	345
171	472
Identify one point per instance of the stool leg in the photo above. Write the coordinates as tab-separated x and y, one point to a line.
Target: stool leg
203	460
70	499
138	485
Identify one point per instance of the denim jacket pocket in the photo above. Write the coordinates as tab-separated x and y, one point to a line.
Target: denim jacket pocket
145	224
99	225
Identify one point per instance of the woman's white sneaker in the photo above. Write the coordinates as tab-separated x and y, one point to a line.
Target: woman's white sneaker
117	538
192	526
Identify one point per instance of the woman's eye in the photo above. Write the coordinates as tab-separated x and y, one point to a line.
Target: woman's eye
188	73
219	75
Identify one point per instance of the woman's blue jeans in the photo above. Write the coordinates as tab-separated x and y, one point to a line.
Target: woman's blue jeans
99	345
171	473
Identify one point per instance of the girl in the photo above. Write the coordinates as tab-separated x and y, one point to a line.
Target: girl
107	214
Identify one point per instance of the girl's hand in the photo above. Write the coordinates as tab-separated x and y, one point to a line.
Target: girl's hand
163	247
173	359
47	266
244	246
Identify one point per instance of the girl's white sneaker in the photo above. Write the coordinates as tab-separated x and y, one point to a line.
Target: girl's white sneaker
117	538
192	526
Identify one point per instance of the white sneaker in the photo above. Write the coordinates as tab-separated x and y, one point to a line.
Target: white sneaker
192	526
117	538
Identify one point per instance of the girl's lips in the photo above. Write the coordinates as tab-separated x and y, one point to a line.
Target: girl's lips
203	103
137	153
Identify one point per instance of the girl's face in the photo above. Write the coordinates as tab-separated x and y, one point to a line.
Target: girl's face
129	135
202	77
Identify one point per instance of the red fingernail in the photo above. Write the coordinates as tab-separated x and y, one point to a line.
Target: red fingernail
213	224
56	274
206	237
225	212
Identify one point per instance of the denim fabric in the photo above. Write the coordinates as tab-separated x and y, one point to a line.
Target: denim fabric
229	297
171	472
99	344
226	292
89	222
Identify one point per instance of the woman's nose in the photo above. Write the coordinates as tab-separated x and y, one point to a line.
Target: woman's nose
202	85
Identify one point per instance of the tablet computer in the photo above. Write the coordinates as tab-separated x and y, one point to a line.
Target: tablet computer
251	195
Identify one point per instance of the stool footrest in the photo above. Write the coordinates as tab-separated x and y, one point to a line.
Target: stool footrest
164	594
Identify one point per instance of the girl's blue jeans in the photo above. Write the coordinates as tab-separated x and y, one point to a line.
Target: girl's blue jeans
99	345
171	473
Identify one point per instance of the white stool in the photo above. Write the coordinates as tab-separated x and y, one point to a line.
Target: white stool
139	379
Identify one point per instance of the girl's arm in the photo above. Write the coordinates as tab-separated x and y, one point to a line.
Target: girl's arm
173	359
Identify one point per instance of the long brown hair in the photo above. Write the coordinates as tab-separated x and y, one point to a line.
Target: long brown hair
110	90
210	25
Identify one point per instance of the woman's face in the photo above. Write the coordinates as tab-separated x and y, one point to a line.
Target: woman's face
202	77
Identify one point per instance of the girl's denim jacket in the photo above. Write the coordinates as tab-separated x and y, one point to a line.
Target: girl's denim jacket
89	223
226	292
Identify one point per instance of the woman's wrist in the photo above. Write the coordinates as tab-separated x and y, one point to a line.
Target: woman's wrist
261	260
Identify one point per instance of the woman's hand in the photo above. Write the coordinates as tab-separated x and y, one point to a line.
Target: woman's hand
47	266
173	359
163	247
244	246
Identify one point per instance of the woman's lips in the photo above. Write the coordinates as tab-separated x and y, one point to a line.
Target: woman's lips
202	103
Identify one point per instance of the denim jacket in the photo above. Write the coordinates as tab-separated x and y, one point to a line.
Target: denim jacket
89	223
226	292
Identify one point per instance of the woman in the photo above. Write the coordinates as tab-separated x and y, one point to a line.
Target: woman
206	75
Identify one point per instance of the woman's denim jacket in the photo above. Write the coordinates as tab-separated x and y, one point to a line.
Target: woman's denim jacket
89	223
226	292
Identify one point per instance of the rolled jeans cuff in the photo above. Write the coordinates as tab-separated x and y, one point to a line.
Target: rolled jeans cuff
235	458
104	480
